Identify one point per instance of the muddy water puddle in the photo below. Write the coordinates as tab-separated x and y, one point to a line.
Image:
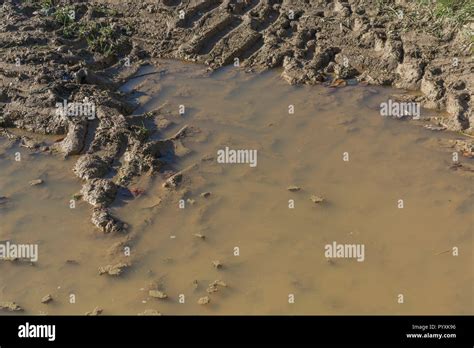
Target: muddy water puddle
385	187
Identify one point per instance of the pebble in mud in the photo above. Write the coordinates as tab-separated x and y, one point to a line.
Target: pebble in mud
200	236
29	143
36	182
204	300
47	299
10	307
95	312
463	167
466	147
205	194
3	200
316	199
214	286
219	283
338	83
293	188
157	294
173	181
113	270
149	312
217	264
434	128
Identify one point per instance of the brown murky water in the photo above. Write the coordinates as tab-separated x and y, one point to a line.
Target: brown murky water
281	249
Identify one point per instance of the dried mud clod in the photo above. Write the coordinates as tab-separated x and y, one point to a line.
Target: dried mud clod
204	300
217	264
10	307
3	201
150	312
114	270
47	299
95	312
465	147
173	181
317	199
214	286
36	182
157	294
293	188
